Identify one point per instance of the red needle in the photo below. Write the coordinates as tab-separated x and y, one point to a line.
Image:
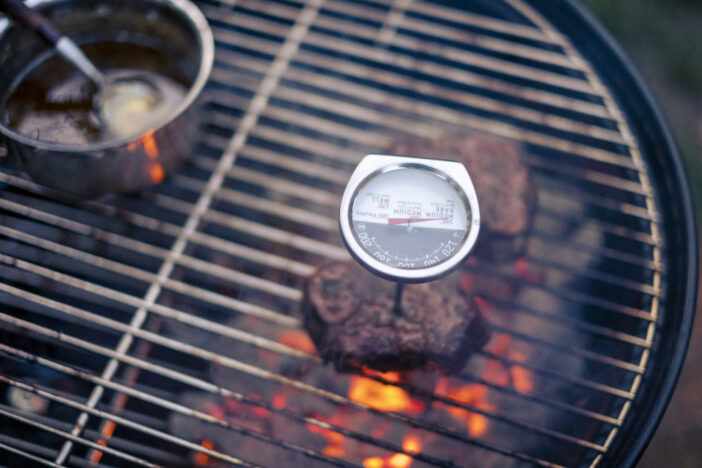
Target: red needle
412	220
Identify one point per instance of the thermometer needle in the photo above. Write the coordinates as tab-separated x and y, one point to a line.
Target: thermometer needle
413	220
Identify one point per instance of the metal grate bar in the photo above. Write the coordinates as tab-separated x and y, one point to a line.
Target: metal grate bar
243	306
247	309
364	32
628	395
262	231
126	299
205	324
215	243
327	395
290	97
636	156
148	397
441	114
139	427
462	17
217	327
573	350
206	295
80	440
264	205
522	93
562	293
547	402
271	376
569	322
581	298
553	121
27	455
159	402
317	148
258	103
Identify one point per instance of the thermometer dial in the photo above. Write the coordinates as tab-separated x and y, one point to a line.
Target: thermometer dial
409	219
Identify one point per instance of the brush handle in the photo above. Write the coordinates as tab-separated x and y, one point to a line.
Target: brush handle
32	19
45	28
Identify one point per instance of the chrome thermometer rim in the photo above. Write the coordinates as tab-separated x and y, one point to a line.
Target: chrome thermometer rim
374	165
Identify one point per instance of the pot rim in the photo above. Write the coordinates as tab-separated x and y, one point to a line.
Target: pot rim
206	42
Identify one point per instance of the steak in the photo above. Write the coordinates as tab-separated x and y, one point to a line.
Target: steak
349	316
506	193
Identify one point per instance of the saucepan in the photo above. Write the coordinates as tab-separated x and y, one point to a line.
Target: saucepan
177	41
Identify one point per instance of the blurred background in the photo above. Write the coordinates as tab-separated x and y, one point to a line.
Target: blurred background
663	38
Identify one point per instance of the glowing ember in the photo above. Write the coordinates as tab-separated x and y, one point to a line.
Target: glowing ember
373	462
156	172
412	444
498	373
297	339
381	396
148	142
214	410
474	395
397	460
107	430
335	441
279	401
521	377
522	270
203	458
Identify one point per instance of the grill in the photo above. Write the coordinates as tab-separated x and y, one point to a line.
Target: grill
164	328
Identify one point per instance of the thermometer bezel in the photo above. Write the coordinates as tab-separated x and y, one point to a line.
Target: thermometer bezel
374	165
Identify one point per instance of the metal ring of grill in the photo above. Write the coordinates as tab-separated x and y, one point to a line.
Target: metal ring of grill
161	329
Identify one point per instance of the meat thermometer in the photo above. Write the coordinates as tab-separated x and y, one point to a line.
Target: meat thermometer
409	219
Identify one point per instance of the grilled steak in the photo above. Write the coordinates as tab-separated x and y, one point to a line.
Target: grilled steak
349	316
506	194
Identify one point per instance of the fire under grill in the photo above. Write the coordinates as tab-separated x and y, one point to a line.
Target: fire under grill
164	328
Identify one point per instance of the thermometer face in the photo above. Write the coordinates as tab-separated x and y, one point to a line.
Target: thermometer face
410	218
409	221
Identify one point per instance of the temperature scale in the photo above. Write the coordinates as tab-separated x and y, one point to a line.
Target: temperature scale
409	219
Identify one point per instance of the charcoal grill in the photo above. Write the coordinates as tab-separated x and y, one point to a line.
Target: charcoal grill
163	328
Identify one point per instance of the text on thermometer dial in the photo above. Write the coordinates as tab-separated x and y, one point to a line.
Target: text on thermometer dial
407	219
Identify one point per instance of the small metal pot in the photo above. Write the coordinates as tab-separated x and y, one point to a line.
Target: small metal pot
175	27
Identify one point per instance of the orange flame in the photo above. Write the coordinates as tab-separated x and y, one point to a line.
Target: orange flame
522	379
335	441
381	396
156	172
397	460
474	395
148	142
279	401
412	444
203	458
107	430
373	462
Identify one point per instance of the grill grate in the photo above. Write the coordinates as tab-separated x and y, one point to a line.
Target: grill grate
113	306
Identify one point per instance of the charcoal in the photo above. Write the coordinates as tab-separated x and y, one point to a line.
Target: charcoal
349	316
506	192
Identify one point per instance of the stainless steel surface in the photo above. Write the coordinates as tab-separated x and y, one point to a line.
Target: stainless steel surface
71	52
138	300
122	164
